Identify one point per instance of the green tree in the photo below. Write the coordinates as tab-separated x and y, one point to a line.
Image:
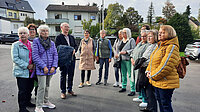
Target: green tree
168	10
180	23
199	15
34	21
86	24
94	30
150	14
114	13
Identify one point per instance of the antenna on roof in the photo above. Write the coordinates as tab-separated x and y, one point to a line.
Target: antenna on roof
63	3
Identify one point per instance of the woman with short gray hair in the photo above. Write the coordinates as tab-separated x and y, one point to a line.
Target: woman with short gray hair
46	59
22	68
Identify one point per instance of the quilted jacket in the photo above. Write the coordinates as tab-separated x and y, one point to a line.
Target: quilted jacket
162	66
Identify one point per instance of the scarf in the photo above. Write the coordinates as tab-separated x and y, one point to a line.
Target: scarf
45	43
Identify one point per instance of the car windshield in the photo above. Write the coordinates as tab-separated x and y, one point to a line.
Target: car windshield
196	43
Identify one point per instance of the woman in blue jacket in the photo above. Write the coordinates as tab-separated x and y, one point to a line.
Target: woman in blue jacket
46	59
22	67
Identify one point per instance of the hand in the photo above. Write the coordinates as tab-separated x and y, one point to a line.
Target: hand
148	74
30	66
74	52
97	58
52	69
46	70
116	56
132	61
109	60
123	52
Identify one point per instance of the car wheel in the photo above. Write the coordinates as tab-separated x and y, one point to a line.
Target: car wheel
3	42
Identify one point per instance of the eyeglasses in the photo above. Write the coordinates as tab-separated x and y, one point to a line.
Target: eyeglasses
23	33
44	30
143	36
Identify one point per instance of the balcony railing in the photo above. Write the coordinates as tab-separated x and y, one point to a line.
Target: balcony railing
56	21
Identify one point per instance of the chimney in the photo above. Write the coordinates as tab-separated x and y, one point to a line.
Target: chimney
17	0
63	3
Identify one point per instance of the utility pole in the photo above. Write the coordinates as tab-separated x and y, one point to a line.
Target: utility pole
102	14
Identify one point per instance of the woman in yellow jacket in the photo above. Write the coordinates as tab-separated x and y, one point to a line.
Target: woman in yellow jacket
162	70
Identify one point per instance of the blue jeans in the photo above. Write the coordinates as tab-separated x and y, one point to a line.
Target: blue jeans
164	97
117	74
69	70
101	63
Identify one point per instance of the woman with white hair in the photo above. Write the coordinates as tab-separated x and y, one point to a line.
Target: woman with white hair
126	47
22	68
46	59
117	63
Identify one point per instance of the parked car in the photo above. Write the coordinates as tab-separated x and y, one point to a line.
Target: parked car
192	51
9	38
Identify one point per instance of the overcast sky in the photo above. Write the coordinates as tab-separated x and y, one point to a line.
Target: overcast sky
141	6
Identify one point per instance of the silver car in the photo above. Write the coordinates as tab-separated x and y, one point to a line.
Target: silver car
192	51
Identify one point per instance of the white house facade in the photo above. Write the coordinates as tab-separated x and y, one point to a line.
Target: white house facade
72	14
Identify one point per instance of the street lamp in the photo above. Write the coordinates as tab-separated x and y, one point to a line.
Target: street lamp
102	14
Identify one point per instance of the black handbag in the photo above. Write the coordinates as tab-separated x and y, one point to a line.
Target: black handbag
117	64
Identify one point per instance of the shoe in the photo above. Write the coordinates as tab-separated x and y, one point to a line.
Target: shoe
131	94
30	104
122	90
63	95
137	100
39	109
120	85
23	110
98	83
105	82
116	84
88	83
72	93
81	85
49	105
143	105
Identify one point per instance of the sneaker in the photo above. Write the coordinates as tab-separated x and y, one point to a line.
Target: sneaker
131	93
39	109
105	82
120	85
143	105
122	90
49	105
63	95
88	83
137	100
71	93
81	85
116	84
98	83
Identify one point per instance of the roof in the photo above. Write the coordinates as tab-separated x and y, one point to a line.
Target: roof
20	5
195	21
72	8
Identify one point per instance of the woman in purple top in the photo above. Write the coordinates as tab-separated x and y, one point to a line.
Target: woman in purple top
46	59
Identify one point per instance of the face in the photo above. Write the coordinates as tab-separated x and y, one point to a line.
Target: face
23	36
65	28
102	34
44	33
144	37
150	38
163	35
86	34
124	34
120	35
32	32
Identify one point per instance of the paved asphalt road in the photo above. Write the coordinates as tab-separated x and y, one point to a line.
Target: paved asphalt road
95	98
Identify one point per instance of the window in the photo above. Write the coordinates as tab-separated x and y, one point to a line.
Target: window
93	17
21	14
16	26
77	17
9	13
57	28
15	15
78	29
58	16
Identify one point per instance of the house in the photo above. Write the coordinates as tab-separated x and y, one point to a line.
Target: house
72	14
194	23
15	11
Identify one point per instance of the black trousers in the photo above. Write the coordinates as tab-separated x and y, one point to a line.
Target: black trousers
25	86
151	99
83	75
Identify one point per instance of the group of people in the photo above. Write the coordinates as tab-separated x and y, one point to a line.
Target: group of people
150	62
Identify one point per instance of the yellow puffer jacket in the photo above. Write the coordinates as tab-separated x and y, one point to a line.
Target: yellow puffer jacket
162	66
